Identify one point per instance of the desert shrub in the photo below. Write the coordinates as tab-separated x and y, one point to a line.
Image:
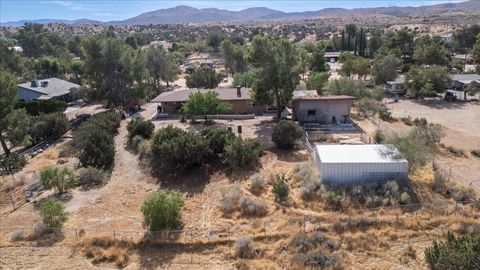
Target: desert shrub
257	184
12	164
37	107
144	148
46	125
405	198
439	182
140	127
108	121
16	235
53	213
162	210
456	252
178	148
244	247
39	229
91	176
280	187
286	133
241	152
420	121
463	193
217	138
379	136
455	151
316	259
407	120
59	178
475	153
250	207
135	141
309	178
97	149
230	199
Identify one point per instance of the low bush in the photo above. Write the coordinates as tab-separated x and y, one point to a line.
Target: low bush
316	259
475	153
162	210
179	148
241	152
53	213
37	107
38	230
97	149
140	127
257	184
310	183
217	138
456	252
286	133
456	152
12	164
59	178
46	125
379	136
253	208
16	235
244	247
230	199
280	187
91	176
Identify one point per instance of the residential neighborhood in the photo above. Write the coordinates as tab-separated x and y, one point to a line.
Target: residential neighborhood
240	135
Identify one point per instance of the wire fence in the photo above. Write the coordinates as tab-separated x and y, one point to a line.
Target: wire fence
197	246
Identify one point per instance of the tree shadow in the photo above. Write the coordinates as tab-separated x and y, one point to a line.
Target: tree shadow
49	238
440	104
263	132
292	155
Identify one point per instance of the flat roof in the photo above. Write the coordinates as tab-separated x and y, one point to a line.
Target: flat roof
365	153
466	78
181	95
336	97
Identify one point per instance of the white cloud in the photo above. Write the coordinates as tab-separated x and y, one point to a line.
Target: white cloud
68	4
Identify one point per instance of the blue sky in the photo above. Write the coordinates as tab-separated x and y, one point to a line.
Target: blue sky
106	10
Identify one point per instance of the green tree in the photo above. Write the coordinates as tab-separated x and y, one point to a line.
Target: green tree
375	42
162	210
286	133
473	88
234	57
317	60
345	86
276	74
245	79
418	77
239	152
140	127
53	213
204	104
385	68
14	128
97	147
317	81
476	53
429	51
350	30
59	178
281	188
304	61
217	138
204	78
214	39
465	37
401	41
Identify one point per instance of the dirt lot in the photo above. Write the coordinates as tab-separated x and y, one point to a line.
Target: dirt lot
461	122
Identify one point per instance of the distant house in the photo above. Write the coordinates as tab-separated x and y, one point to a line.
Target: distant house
332	55
51	88
467	58
312	108
239	98
459	81
396	86
358	164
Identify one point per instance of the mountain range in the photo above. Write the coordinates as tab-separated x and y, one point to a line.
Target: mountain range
185	14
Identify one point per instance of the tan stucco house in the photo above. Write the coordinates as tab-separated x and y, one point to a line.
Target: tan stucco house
239	98
309	107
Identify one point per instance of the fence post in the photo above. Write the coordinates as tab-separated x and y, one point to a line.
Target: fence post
13	203
114	236
455	213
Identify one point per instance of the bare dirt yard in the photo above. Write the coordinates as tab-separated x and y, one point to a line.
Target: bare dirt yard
105	226
461	122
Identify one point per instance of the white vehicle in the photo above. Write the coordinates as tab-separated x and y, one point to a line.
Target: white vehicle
397	86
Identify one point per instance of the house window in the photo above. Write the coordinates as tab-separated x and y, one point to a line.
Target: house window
251	104
311	112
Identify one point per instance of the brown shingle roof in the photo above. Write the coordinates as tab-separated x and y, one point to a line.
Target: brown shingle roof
182	95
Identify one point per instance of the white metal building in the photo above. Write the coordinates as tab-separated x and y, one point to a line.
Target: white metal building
353	164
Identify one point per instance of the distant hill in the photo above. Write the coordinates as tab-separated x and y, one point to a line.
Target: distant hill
185	14
47	21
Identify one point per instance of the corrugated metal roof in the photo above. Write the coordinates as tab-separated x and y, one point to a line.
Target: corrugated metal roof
182	95
338	97
367	153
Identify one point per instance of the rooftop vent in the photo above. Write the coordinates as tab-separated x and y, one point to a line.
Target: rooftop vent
239	91
34	83
44	83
